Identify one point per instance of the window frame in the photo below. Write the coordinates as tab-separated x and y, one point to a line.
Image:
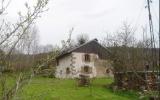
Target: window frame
87	57
68	71
87	69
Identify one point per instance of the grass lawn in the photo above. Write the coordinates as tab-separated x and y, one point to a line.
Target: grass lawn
41	88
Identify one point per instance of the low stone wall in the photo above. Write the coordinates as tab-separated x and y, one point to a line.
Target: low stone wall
136	80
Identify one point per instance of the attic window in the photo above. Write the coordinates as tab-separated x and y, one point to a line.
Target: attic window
87	57
67	70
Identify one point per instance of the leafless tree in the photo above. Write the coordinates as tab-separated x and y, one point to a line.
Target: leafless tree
119	43
129	53
69	42
30	40
45	48
10	36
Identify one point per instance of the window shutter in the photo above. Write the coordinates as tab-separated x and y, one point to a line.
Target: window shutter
90	69
83	57
93	57
82	69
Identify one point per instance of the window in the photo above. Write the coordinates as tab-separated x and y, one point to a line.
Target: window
87	57
87	69
67	70
107	71
60	72
57	63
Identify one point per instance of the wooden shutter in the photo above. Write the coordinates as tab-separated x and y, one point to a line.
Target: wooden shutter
83	57
90	69
82	69
93	57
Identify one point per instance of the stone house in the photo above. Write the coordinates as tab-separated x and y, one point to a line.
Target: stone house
90	59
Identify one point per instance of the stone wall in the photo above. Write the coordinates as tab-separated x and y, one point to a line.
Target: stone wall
103	68
136	80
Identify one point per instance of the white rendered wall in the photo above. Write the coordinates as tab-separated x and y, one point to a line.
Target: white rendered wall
61	68
74	61
79	62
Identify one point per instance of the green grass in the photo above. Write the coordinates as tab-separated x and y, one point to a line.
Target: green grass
41	88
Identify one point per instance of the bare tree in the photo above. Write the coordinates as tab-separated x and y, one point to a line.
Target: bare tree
10	37
131	55
69	42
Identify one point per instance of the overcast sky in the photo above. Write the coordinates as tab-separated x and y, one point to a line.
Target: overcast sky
94	17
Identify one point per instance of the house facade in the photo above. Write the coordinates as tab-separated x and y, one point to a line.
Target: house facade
87	59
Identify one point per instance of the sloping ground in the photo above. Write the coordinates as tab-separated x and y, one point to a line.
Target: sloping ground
54	89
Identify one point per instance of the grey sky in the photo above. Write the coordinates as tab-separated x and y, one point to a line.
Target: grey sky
94	17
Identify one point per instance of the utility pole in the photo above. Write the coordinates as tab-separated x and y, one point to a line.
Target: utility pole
159	63
158	69
153	47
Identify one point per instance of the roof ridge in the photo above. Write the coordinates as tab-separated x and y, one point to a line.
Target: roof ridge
83	44
76	47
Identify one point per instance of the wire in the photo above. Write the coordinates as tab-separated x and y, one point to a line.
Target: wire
138	17
154	11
